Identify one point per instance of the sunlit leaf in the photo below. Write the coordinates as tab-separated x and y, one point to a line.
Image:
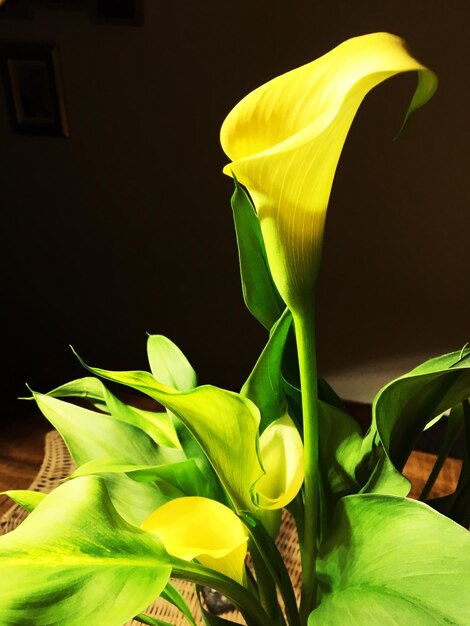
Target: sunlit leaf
25	498
90	435
158	426
404	407
390	561
173	479
169	365
75	561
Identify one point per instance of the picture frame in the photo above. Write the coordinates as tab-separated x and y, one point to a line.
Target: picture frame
16	10
34	89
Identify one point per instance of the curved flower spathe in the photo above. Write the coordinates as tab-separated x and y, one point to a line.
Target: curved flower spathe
281	452
202	529
285	139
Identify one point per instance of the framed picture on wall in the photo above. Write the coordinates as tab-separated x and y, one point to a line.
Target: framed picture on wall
34	89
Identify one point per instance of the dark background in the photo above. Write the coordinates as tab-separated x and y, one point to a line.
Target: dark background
125	227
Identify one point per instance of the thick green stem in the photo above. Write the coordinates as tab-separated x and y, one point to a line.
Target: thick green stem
266	587
305	336
249	606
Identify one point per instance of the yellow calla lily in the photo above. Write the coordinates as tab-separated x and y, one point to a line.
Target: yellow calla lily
203	529
285	139
281	452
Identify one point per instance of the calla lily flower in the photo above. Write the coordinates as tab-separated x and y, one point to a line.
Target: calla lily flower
281	452
285	140
202	529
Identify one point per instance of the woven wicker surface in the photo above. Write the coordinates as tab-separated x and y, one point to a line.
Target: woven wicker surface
57	465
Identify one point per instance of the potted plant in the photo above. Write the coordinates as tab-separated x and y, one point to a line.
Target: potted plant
189	492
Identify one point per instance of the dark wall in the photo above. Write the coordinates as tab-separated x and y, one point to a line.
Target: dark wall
125	227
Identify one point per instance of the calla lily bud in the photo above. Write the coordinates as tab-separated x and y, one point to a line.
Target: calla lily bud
285	140
282	456
203	529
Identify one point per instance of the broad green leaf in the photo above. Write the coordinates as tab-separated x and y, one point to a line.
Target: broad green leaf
403	408
224	424
158	426
390	561
169	365
384	478
90	435
344	469
201	528
265	385
173	479
75	561
340	449
25	498
259	291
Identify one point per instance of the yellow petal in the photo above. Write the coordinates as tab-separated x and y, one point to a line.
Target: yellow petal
281	453
202	529
285	139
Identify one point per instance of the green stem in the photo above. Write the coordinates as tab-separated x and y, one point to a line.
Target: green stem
453	429
305	336
268	552
266	587
249	606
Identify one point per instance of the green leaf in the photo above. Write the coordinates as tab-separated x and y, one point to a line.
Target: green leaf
90	435
265	385
340	449
158	426
343	467
25	498
390	561
259	291
403	408
215	417
169	365
172	595
384	478
173	479
75	561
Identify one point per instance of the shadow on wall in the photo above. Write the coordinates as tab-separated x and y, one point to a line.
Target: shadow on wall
125	226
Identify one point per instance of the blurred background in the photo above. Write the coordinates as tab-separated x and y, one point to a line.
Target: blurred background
124	226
